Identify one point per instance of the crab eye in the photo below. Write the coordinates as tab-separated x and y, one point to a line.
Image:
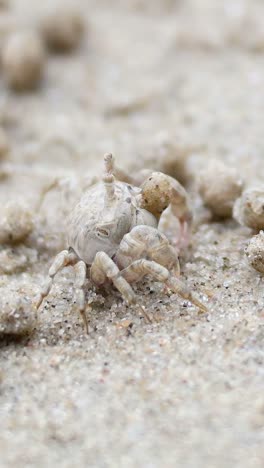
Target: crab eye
102	232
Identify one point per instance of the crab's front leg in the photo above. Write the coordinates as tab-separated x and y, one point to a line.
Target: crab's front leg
80	278
158	192
61	260
140	268
161	262
103	268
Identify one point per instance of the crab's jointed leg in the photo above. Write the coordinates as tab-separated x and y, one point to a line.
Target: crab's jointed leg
147	242
178	287
140	268
103	268
63	259
161	261
80	278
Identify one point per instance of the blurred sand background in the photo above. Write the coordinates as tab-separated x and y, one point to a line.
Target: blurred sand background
186	391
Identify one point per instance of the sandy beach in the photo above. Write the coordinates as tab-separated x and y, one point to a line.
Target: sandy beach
187	390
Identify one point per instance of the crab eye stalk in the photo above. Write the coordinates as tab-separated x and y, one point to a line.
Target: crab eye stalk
108	178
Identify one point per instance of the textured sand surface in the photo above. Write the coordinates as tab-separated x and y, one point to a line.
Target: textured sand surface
186	391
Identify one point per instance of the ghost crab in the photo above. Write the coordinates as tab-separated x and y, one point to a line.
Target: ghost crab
114	231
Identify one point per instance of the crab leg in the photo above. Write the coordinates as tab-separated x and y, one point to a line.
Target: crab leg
104	268
180	288
63	259
147	242
80	278
140	268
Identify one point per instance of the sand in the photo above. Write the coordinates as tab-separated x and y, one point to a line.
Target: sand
187	390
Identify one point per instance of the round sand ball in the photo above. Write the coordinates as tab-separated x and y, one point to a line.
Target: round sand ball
160	190
249	209
4	144
17	313
255	252
62	28
156	193
219	187
4	3
16	223
23	58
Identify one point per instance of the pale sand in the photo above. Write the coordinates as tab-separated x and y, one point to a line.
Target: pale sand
186	391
